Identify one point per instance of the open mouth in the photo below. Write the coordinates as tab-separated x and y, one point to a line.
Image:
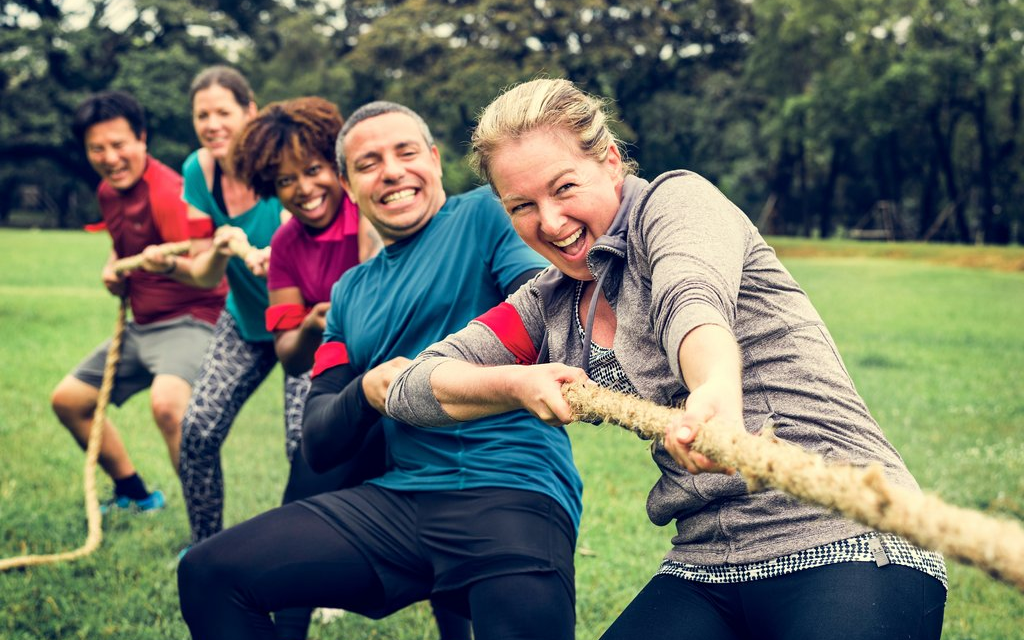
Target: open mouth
117	174
310	205
572	244
397	196
219	141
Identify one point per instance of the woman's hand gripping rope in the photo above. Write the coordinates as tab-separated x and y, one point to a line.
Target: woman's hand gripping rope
860	493
137	261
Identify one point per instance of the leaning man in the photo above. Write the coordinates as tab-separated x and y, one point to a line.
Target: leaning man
171	322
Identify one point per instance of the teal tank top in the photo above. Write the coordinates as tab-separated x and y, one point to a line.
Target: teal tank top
248	299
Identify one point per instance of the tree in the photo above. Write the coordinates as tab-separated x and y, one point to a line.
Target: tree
812	115
70	56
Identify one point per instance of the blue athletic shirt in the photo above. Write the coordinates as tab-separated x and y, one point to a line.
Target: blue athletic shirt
247	297
415	292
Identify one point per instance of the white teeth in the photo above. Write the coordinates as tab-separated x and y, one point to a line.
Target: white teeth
312	204
398	195
561	244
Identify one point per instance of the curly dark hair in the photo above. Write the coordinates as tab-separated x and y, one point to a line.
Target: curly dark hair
303	127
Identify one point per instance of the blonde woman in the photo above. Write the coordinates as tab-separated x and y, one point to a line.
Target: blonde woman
665	290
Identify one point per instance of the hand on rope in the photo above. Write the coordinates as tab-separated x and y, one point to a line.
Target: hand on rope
863	494
537	389
115	281
139	260
704	404
316	319
232	241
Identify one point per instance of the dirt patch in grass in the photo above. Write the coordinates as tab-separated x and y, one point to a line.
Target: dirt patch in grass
1010	259
984	261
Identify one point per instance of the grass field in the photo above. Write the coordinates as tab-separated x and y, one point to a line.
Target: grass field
937	351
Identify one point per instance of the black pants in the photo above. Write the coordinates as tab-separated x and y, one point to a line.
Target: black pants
291	557
303	482
852	601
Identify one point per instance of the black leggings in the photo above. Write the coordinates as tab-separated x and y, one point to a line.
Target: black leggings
852	601
228	583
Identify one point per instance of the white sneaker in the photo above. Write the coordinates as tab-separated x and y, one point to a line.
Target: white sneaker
327	616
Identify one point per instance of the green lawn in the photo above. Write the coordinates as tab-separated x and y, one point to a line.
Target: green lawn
936	350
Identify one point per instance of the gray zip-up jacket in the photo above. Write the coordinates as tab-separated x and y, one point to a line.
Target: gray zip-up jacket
680	255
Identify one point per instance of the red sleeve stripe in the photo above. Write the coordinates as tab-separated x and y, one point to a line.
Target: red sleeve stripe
505	322
200	227
96	227
285	317
329	355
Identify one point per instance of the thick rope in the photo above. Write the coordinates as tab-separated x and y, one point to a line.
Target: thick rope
240	247
92	452
168	249
860	493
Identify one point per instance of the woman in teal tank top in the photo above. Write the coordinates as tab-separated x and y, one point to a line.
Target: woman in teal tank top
241	354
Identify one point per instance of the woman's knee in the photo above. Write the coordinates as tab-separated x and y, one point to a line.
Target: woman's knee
202	431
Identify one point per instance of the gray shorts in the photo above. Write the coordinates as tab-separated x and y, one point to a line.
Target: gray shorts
172	347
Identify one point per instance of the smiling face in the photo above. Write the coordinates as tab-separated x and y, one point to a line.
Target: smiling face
393	175
218	117
309	189
116	153
560	200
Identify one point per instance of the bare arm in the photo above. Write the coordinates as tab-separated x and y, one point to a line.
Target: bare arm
296	347
208	265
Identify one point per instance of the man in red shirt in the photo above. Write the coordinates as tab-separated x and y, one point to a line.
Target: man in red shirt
163	344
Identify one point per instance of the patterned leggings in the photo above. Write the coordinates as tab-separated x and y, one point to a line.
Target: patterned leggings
231	371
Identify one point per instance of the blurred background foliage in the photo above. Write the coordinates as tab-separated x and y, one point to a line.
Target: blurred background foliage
896	119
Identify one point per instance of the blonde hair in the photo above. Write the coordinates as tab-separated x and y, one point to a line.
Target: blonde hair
556	104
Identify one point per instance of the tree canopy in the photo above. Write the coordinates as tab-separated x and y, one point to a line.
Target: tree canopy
883	118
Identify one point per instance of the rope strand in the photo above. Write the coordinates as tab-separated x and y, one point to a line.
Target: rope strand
240	247
92	452
860	493
168	249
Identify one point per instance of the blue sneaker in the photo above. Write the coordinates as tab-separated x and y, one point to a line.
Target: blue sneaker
153	502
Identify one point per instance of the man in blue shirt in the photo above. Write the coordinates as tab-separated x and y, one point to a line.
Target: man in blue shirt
481	515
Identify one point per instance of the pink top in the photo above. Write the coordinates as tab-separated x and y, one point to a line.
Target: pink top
313	259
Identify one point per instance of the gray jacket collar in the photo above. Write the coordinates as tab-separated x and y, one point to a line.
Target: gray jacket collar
614	240
611	245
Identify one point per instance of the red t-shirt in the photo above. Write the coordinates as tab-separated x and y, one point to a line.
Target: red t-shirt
152	212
